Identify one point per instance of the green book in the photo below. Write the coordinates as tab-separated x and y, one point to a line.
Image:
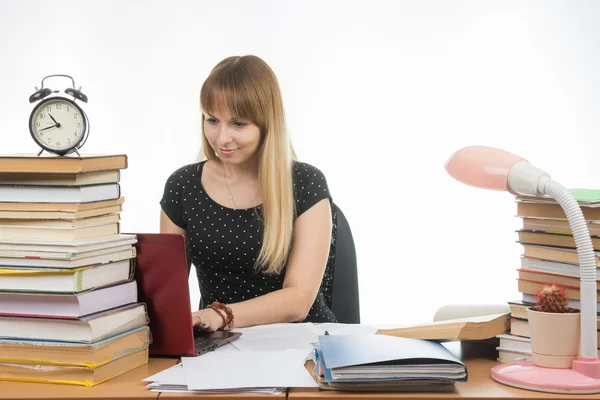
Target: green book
589	197
586	195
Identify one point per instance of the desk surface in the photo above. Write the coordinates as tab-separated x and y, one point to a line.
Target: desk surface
479	361
126	386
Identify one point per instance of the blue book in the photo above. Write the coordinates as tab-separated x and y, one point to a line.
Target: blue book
360	358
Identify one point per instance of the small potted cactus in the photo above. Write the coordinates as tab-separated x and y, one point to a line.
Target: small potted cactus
554	328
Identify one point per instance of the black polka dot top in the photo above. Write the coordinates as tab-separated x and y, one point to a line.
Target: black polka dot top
223	243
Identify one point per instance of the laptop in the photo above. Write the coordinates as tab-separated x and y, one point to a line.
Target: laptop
162	278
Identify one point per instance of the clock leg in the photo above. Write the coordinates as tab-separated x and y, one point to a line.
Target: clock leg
76	152
41	151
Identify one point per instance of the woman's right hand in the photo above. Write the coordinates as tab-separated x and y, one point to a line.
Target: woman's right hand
207	320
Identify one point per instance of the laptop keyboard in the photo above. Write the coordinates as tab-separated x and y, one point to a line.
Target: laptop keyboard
207	341
202	342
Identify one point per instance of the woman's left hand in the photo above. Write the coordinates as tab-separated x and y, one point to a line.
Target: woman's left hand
207	320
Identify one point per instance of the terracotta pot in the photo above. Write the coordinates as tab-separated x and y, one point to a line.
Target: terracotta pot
555	338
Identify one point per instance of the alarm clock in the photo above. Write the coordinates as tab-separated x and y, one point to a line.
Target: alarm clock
58	124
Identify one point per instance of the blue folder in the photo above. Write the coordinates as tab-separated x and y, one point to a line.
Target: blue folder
339	351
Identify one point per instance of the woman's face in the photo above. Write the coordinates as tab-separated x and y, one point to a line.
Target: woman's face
235	140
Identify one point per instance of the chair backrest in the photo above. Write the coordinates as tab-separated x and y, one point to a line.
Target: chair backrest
344	294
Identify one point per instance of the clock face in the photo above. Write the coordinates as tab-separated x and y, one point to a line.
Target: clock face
57	124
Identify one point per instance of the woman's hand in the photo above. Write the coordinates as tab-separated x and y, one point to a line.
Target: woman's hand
208	319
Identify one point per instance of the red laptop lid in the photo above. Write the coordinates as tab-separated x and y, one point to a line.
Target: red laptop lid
162	280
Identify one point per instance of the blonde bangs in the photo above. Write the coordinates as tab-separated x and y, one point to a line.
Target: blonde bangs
230	89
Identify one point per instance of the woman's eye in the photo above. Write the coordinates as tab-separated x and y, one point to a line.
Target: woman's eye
211	120
239	124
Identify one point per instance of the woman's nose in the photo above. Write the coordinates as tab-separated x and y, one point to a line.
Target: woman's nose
225	136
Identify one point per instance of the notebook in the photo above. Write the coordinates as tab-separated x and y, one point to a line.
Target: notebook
162	277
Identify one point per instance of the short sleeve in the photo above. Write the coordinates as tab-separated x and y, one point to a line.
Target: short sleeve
171	202
310	187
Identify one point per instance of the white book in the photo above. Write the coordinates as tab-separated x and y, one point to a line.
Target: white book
64	252
48	280
46	255
552	267
86	329
101	257
67	305
55	245
54	194
515	343
59	215
509	355
60	224
41	179
50	233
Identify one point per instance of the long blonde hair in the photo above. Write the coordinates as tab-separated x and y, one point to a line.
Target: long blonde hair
247	88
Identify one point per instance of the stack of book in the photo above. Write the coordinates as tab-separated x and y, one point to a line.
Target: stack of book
549	256
69	310
385	363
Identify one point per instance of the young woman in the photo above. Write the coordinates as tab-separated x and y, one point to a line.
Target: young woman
258	223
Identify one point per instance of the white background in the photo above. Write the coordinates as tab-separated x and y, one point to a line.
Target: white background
378	95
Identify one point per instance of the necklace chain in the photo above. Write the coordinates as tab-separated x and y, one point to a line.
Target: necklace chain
235	207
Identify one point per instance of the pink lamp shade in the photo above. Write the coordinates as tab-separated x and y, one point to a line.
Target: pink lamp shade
481	166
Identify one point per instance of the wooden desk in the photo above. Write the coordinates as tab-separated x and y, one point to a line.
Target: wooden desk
127	386
479	361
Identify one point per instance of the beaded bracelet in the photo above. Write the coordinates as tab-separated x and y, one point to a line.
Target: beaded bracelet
220	315
221	306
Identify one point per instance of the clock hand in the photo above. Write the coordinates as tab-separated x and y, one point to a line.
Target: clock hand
53	126
53	118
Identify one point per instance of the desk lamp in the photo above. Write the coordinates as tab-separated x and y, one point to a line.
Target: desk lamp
491	168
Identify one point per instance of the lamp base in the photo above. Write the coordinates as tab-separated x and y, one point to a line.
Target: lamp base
527	375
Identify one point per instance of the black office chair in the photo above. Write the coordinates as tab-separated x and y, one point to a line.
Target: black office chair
344	294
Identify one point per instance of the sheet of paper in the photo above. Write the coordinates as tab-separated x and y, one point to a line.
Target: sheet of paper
166	388
173	380
247	369
170	376
276	337
174	375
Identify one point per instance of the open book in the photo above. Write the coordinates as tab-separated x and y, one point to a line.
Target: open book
459	322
